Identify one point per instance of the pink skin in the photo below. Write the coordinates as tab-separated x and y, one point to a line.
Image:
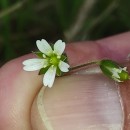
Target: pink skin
18	88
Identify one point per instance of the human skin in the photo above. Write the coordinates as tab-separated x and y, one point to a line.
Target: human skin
19	89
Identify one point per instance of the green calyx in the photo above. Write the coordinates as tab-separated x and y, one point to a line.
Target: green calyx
107	66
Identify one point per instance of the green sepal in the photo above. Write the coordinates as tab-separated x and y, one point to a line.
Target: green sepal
43	70
58	72
64	57
124	75
39	54
107	65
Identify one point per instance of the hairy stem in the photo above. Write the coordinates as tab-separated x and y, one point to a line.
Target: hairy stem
84	65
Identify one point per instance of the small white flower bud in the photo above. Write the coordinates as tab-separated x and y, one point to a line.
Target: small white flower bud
114	70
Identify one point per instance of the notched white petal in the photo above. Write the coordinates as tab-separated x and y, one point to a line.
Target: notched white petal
32	61
34	64
59	47
33	67
64	67
44	47
49	77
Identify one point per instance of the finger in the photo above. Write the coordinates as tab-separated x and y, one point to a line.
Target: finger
120	47
116	47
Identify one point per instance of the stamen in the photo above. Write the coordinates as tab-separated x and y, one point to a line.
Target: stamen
44	56
58	56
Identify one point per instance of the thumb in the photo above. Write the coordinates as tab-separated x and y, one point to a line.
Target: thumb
78	102
17	91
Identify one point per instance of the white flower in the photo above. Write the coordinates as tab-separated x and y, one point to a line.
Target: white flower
51	61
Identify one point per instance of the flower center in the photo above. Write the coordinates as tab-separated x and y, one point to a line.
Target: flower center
54	60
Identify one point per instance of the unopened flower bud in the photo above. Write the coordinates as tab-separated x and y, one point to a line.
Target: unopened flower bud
114	70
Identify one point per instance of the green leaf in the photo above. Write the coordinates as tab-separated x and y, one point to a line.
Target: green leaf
39	54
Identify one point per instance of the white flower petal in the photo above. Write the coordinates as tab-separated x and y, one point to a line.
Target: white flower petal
116	79
125	68
44	47
116	72
34	64
33	67
49	77
64	66
59	47
32	61
116	75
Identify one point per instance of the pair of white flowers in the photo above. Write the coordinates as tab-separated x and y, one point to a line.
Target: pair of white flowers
51	61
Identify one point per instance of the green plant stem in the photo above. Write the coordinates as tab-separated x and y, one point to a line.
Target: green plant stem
84	65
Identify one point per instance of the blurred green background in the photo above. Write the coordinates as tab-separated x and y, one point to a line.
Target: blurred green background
22	22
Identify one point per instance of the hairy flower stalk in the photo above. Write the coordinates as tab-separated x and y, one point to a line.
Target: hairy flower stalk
84	65
110	68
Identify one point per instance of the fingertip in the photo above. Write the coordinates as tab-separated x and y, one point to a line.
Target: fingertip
115	47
